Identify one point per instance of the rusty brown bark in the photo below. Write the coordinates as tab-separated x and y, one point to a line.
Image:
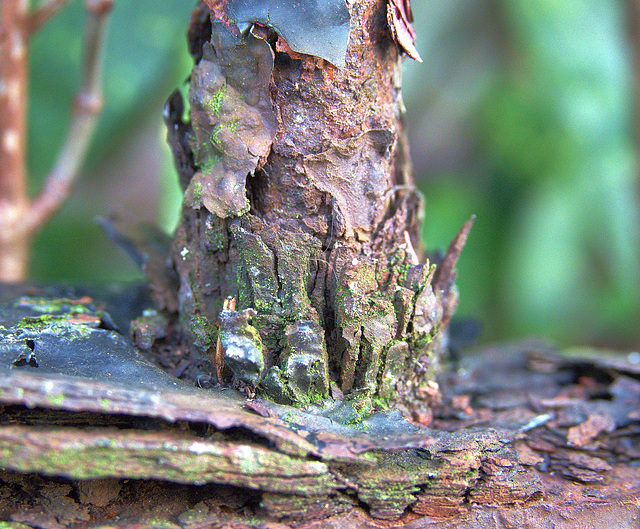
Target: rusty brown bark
315	230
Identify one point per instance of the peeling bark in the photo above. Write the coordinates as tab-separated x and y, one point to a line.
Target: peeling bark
520	433
300	204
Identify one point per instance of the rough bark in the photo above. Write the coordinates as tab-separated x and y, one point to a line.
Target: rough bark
300	205
92	432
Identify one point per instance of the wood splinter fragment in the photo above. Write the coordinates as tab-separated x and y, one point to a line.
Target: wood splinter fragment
415	260
445	273
227	304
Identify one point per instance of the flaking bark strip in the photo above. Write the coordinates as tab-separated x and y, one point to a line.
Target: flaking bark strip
388	482
260	265
81	454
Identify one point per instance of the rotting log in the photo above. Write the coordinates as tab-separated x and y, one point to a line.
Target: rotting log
300	205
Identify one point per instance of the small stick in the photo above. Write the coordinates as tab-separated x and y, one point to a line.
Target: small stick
88	104
14	76
13	108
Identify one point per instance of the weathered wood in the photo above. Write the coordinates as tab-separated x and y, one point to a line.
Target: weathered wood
300	204
521	433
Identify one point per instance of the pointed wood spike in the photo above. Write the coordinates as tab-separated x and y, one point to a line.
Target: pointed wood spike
446	269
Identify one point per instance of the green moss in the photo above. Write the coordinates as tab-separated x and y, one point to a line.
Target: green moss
45	305
370	456
245	298
56	400
210	165
381	403
205	332
214	103
36	324
213	137
420	341
198	304
250	463
245	209
352	410
196	189
276	388
58	325
217	239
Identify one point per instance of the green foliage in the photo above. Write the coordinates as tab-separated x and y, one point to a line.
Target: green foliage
552	173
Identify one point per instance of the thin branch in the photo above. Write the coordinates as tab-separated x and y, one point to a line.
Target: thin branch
87	106
14	76
43	13
13	103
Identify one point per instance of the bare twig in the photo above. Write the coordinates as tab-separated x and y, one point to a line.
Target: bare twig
43	13
13	85
13	131
19	217
88	104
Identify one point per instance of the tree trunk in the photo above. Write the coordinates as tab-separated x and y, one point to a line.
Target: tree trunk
300	206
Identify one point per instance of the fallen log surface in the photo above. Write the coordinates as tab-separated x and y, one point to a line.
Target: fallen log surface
92	432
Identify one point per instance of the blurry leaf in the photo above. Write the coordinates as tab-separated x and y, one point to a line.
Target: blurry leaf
523	133
573	267
313	27
559	130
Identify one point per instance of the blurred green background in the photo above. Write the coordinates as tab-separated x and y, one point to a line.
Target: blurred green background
524	112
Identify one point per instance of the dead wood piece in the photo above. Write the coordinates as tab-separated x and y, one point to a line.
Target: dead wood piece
294	508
